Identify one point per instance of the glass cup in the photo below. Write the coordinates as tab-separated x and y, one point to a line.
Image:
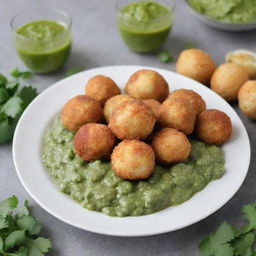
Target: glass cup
142	35
42	38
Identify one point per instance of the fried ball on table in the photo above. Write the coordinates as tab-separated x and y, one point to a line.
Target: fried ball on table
81	110
213	127
177	114
147	84
133	160
196	64
132	119
192	97
154	105
171	146
101	88
113	102
228	79
247	99
94	141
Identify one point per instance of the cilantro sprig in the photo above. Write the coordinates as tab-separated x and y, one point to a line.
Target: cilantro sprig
19	231
228	240
13	101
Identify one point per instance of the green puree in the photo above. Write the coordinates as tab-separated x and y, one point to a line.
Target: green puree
144	25
43	45
96	187
230	11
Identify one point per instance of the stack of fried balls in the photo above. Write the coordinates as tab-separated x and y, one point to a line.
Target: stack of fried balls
144	126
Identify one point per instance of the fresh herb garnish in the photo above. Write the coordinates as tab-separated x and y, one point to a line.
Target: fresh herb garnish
13	102
165	56
189	45
16	73
73	71
232	241
19	231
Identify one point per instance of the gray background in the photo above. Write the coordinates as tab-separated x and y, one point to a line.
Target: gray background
97	43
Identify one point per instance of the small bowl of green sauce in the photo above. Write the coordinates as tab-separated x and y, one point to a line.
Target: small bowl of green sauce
42	38
144	25
232	15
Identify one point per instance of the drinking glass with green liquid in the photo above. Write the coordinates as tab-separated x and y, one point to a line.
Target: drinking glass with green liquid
144	25
42	38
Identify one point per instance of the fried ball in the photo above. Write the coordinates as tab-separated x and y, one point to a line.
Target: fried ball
228	79
147	84
192	97
247	99
80	110
154	105
101	88
213	127
170	146
132	119
133	160
177	114
196	64
113	102
94	141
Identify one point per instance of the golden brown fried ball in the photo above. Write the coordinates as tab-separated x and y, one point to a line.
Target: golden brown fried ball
177	114
94	141
101	88
170	146
81	110
213	127
228	79
154	105
196	64
133	160
147	84
192	97
132	119
113	102
247	99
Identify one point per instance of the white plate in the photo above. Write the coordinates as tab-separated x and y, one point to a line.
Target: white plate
231	27
27	147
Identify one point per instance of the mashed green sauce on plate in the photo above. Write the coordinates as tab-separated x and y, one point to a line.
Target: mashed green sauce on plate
96	187
229	11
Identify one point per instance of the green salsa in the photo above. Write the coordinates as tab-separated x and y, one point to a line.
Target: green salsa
96	187
145	25
231	11
43	45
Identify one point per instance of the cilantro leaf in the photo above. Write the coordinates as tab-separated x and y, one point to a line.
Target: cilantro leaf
27	222
165	56
3	80
13	107
16	237
12	87
216	244
23	251
4	95
38	246
7	128
250	214
243	244
23	210
16	73
7	205
27	94
73	71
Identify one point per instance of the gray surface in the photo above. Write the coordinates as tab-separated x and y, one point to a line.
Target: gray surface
97	43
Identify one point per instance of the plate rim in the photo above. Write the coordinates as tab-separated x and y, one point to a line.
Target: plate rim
95	230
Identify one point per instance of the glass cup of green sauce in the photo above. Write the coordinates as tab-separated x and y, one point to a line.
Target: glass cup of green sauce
42	38
144	25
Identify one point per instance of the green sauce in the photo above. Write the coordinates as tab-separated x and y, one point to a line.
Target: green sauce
144	25
96	187
231	11
43	45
